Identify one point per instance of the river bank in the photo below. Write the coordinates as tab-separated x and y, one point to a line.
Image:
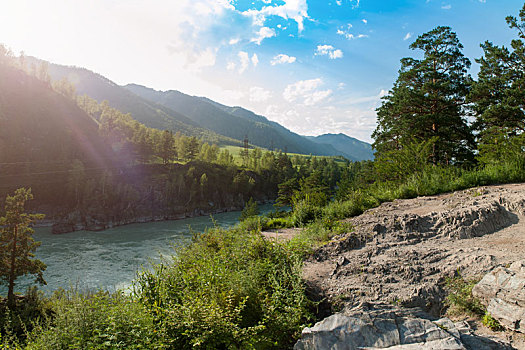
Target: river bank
110	259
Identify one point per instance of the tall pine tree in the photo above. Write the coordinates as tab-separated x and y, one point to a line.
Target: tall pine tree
427	101
499	98
17	246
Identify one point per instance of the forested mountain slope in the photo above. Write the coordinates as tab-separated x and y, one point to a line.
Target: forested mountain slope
152	115
234	122
42	133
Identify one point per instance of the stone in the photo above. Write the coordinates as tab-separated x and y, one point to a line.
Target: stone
386	327
502	291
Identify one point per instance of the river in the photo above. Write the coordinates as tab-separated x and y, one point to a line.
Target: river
110	259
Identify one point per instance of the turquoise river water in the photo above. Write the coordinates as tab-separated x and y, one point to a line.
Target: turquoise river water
110	259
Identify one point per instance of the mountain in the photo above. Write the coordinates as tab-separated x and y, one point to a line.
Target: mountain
350	147
42	134
197	116
152	115
234	122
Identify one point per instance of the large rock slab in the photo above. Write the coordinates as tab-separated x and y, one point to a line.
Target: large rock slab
503	292
385	327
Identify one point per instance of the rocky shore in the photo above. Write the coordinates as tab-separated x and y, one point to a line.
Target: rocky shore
77	222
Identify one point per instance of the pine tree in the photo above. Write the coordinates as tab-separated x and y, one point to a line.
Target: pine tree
17	246
499	98
428	100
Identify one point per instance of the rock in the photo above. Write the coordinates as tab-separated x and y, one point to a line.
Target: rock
381	327
60	228
503	292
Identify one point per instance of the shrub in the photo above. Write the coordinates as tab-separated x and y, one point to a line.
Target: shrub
229	289
460	298
491	322
96	321
250	210
253	223
304	213
276	223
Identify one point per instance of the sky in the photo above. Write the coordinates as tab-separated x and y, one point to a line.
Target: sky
314	66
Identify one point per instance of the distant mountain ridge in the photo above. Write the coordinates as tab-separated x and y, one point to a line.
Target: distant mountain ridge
202	117
234	122
152	115
349	147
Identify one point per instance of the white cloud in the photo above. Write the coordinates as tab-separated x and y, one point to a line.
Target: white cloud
196	60
245	61
316	97
231	66
255	60
341	86
446	7
339	2
349	35
407	36
306	90
329	50
262	34
296	10
258	94
335	54
282	58
234	41
364	21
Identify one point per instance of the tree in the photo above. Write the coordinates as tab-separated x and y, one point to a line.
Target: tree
428	100
499	98
167	149
250	209
17	246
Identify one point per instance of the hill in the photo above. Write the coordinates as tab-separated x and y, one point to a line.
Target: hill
42	133
152	115
234	122
350	147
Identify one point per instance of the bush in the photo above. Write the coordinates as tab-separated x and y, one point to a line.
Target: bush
304	213
96	321
16	323
460	298
277	223
253	223
250	210
229	289
491	322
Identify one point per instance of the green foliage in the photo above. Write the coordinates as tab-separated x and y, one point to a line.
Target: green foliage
427	101
276	223
460	299
229	289
491	322
498	98
305	212
411	158
17	322
17	246
250	209
95	321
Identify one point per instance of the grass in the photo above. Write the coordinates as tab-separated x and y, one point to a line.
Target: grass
460	301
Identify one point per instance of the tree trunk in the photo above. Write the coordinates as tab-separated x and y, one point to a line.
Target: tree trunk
11	286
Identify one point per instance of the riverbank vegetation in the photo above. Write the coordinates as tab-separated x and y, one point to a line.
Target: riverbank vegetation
234	289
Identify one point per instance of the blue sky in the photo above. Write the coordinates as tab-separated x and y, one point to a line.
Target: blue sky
313	66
